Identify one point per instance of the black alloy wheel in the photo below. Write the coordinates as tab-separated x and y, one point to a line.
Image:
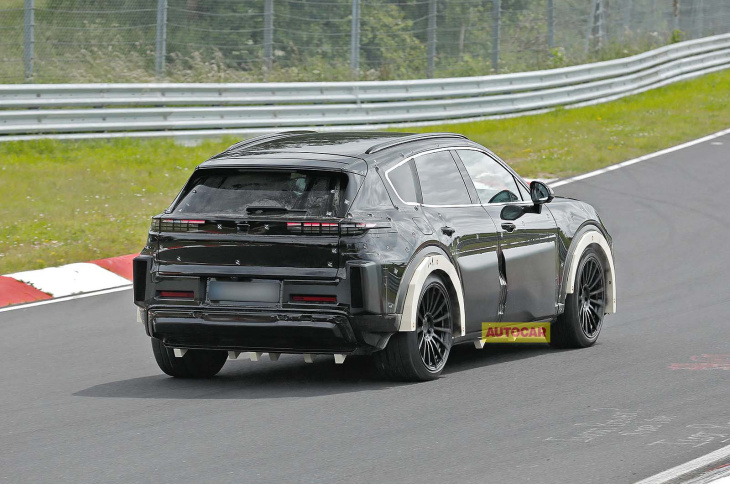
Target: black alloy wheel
591	293
433	326
581	322
421	355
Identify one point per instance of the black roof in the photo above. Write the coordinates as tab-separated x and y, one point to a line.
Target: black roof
353	145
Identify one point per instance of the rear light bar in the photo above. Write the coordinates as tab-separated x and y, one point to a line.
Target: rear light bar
305	228
325	228
177	294
313	227
314	299
174	225
357	228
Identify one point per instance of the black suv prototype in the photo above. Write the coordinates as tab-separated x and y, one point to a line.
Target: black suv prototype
391	244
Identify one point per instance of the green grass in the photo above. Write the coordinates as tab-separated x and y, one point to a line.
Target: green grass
64	201
567	142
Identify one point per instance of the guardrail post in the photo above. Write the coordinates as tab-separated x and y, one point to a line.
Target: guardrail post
431	41
551	24
700	29
268	34
628	7
496	34
28	39
597	23
589	30
161	39
676	14
355	39
601	20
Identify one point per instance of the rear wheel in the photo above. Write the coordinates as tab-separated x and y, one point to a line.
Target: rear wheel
421	354
194	364
580	324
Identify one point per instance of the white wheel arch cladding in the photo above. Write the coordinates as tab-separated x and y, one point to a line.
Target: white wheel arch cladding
428	265
589	238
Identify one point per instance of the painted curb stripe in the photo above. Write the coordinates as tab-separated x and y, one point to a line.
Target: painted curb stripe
70	279
14	292
66	298
121	266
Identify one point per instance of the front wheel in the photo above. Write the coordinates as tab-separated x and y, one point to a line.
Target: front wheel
580	324
194	364
421	354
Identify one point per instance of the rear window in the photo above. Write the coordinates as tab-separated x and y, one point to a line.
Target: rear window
256	192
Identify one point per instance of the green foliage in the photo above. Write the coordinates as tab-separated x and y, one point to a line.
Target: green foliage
222	40
388	43
557	57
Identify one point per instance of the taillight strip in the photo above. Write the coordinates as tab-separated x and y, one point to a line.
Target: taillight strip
347	228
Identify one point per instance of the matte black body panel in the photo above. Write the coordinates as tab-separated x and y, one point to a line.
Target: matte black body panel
530	264
473	246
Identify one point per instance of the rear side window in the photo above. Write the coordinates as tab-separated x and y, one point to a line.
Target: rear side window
403	182
372	195
441	182
242	192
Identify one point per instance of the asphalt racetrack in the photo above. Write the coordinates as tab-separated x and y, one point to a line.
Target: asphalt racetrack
82	400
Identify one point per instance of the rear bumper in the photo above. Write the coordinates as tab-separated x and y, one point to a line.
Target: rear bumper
268	331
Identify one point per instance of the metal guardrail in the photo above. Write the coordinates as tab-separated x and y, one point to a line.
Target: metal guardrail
200	109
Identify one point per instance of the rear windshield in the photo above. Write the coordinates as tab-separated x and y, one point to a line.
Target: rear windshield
256	192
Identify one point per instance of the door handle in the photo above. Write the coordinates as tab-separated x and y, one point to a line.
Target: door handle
508	226
448	231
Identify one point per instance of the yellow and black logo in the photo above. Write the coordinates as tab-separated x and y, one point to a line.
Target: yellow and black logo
515	332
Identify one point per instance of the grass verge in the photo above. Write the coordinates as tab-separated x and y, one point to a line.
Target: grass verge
66	201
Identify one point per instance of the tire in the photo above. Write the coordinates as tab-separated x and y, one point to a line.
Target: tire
421	355
581	322
195	363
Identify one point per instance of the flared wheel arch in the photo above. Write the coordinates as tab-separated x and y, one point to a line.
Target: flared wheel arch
590	236
424	265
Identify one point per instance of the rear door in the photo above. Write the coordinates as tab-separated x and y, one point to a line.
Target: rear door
464	227
249	222
528	238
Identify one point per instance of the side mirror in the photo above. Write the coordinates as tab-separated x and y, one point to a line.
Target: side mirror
513	212
540	193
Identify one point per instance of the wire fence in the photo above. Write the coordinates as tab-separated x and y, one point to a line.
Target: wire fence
58	41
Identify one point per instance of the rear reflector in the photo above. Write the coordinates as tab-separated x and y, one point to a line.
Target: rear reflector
315	299
177	294
140	272
356	299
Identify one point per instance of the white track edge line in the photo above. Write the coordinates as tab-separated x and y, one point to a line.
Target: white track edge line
665	151
687	467
65	298
553	185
